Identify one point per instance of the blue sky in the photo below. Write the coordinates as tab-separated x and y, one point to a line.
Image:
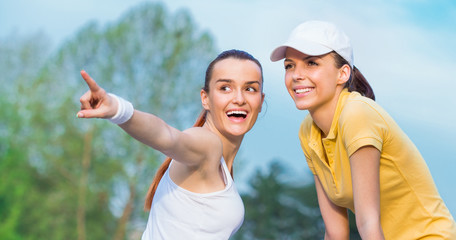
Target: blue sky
405	48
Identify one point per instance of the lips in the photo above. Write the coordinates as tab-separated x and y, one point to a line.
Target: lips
237	114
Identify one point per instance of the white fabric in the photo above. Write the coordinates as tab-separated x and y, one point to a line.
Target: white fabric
124	110
316	38
177	213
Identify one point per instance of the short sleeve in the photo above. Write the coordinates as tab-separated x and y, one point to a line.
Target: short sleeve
304	134
361	124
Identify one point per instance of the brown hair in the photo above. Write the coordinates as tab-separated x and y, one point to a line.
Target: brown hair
236	54
357	82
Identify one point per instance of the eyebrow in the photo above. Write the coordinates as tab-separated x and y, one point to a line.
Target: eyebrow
230	81
224	80
253	82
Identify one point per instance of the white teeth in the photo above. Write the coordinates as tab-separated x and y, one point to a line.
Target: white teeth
236	112
303	90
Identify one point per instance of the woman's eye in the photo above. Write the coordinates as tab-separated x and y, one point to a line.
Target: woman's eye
225	88
312	63
251	89
288	66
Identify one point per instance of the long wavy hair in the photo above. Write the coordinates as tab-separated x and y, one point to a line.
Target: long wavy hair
201	120
357	82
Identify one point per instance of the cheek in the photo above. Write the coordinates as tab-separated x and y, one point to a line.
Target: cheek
255	101
288	80
289	84
215	102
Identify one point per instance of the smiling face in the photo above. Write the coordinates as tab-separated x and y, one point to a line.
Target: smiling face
314	82
235	96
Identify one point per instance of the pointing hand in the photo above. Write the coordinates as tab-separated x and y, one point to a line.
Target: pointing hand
96	103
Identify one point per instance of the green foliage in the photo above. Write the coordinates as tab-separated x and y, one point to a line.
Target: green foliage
276	209
20	182
67	178
279	208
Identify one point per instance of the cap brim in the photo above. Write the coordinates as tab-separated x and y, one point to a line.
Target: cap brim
278	53
306	47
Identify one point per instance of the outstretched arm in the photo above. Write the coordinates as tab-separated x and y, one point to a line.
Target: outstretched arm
188	147
365	166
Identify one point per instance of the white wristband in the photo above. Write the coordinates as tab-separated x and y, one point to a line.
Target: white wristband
124	110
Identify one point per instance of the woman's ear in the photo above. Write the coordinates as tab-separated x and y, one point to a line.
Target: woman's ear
262	101
344	74
204	99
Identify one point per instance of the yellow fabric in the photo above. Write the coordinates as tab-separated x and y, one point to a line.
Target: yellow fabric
411	207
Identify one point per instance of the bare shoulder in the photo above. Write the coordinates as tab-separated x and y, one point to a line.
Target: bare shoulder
203	134
206	140
197	162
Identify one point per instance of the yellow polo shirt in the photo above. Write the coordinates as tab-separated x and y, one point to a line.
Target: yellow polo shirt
410	205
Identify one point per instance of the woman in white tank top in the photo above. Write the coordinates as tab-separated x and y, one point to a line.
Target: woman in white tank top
193	195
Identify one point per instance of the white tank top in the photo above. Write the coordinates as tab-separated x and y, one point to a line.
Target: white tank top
177	213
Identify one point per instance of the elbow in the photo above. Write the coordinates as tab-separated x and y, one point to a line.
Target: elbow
369	228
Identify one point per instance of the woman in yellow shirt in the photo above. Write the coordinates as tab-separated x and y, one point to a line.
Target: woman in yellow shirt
360	158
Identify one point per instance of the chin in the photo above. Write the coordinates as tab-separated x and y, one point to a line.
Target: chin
301	107
238	132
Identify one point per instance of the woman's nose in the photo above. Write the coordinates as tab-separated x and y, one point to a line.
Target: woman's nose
239	97
299	73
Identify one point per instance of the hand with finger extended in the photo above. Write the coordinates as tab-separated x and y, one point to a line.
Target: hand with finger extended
96	103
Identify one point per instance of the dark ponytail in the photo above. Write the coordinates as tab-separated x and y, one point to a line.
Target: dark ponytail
357	82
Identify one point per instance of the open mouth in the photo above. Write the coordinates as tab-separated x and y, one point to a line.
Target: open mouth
237	114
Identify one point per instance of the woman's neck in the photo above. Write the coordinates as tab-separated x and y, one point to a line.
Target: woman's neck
230	149
323	116
231	144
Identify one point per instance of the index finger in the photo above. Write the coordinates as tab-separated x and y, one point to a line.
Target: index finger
90	82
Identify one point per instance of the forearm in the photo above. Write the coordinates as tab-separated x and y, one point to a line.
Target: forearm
340	236
150	130
145	127
370	229
337	231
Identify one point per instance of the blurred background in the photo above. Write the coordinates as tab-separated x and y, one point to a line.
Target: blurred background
67	178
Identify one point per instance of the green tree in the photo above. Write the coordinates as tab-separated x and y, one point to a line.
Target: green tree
21	58
279	209
89	177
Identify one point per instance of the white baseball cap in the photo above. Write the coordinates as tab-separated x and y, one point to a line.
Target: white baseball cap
316	38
